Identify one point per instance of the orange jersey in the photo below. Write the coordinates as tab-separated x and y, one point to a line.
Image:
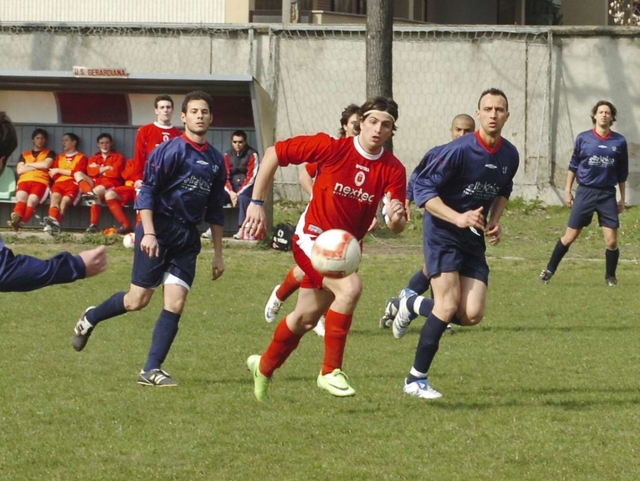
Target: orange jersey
149	137
41	176
75	162
115	160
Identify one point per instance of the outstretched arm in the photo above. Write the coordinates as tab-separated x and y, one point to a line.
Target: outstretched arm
25	273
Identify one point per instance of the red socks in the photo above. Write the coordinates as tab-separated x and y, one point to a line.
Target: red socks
288	286
335	339
95	211
118	213
284	342
85	187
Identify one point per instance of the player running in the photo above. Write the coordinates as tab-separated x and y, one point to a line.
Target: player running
464	191
349	127
354	175
462	124
183	184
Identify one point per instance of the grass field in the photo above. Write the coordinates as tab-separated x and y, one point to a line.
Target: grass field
546	388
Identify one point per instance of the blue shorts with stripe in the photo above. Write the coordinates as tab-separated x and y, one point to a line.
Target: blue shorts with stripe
589	200
179	248
448	248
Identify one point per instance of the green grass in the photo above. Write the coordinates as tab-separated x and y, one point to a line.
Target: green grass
547	387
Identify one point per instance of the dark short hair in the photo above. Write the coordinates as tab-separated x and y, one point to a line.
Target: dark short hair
594	110
349	110
496	92
383	104
239	133
8	139
104	135
160	98
40	131
197	95
72	136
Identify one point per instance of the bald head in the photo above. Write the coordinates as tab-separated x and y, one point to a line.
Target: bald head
462	124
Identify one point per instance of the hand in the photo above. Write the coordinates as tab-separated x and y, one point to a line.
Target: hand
95	261
620	206
394	209
256	221
568	199
374	225
493	232
217	268
53	172
149	244
471	218
407	208
234	198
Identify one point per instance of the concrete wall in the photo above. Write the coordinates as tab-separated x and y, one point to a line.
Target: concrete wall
311	74
114	11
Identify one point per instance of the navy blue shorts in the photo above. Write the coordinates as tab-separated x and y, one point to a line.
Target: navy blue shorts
450	249
179	248
589	200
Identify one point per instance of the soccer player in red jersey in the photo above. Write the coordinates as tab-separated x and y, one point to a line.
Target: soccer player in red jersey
104	171
349	127
64	191
354	175
33	183
151	135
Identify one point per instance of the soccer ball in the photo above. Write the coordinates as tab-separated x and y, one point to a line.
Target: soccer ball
335	253
129	240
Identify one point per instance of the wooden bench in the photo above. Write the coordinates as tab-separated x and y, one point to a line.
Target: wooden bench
77	218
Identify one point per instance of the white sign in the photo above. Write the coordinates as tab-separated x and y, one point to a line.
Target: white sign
86	72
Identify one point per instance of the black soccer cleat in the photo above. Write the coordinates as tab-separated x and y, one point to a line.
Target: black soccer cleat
545	276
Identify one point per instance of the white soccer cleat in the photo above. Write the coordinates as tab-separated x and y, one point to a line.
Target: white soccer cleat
273	306
420	389
319	329
206	234
402	321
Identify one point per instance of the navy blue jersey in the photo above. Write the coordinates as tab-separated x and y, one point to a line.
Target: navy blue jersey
19	273
600	162
468	174
419	168
182	179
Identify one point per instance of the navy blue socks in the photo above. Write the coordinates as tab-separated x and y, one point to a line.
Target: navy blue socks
112	307
163	335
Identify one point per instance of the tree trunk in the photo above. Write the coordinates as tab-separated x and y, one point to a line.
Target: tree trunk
379	48
379	51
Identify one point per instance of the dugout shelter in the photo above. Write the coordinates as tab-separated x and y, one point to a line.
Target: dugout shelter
119	103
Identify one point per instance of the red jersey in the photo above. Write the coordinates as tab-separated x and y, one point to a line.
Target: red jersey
350	182
148	138
312	170
131	173
114	159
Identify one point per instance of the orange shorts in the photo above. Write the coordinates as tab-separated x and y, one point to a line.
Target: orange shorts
67	188
127	193
107	182
32	187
